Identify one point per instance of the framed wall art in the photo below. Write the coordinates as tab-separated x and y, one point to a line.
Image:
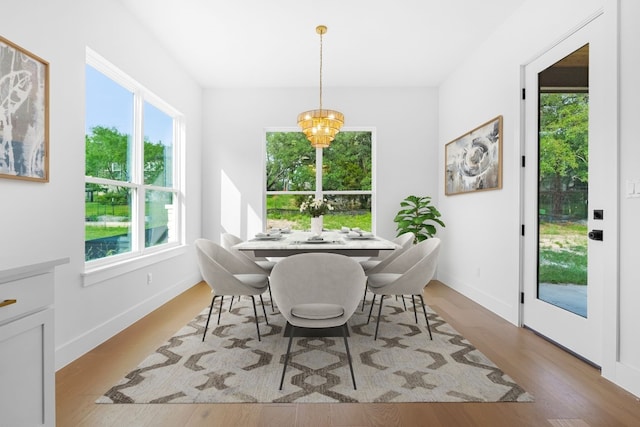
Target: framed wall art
24	114
473	162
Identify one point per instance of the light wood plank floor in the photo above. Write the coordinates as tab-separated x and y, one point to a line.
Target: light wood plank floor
567	391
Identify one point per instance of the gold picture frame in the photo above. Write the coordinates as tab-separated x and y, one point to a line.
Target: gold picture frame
24	114
473	161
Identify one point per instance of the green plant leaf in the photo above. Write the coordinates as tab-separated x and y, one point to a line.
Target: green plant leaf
419	216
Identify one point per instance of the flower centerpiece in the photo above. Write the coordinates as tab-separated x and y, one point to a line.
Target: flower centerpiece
316	208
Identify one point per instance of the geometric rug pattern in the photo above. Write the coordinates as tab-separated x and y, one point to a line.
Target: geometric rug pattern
231	365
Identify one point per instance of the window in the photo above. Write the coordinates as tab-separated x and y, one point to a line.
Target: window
341	173
132	193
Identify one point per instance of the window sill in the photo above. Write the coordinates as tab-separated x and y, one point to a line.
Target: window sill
93	276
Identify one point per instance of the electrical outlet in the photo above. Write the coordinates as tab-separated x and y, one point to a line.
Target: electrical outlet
149	278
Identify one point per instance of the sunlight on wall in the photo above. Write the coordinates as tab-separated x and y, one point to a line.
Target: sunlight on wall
254	223
230	206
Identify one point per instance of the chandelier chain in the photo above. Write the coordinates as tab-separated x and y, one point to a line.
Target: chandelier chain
320	70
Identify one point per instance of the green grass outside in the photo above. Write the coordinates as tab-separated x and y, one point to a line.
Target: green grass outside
332	221
96	230
92	232
563	253
282	211
298	221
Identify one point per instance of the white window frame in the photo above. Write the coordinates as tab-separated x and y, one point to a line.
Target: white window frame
319	192
105	268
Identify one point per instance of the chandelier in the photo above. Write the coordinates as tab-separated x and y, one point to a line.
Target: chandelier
320	126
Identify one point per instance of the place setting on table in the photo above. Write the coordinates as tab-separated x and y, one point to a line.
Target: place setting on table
272	234
346	241
357	234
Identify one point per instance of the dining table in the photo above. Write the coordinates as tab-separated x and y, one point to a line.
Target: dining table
296	242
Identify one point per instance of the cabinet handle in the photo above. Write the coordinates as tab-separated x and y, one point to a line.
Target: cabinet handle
8	302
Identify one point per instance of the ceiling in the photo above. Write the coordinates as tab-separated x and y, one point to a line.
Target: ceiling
273	43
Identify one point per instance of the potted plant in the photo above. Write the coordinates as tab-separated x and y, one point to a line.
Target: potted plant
418	216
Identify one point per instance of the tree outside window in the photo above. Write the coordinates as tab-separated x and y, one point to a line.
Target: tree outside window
345	180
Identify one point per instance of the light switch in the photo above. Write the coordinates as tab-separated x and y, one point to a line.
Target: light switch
631	188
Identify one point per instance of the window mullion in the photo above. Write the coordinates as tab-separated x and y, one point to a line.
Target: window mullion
138	205
319	153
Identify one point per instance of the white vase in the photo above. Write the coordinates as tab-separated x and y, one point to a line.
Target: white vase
316	225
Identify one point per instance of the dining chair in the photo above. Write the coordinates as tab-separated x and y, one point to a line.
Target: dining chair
228	241
376	264
227	276
408	274
319	292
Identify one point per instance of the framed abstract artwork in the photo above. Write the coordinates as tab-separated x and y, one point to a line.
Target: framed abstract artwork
473	162
24	114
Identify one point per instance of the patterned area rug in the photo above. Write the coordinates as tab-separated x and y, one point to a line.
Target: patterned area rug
231	365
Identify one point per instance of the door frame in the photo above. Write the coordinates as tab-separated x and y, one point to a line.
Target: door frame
610	292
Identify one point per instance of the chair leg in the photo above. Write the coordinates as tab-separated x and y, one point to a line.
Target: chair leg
375	337
286	356
345	331
404	303
415	312
264	311
364	297
255	313
220	311
426	318
231	303
206	326
373	301
273	305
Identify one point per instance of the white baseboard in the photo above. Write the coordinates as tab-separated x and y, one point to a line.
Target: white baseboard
73	349
491	303
627	377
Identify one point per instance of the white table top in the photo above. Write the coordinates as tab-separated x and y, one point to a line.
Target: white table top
333	241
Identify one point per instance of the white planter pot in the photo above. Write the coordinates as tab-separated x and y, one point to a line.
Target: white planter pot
316	225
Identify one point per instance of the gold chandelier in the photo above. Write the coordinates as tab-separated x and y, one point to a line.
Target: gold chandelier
320	126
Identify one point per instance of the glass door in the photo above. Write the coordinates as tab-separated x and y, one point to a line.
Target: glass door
566	153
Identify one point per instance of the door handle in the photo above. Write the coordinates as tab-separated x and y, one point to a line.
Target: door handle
595	235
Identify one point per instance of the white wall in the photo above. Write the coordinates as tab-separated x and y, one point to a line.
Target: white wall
483	229
45	221
235	119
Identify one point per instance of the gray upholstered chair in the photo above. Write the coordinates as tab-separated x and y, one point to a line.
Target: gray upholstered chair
376	264
228	241
317	291
227	276
408	274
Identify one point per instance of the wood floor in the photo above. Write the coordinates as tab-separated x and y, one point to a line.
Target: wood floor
567	392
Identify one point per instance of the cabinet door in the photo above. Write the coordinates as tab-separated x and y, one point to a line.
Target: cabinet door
27	372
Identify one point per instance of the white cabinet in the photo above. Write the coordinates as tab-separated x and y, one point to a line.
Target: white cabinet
27	368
